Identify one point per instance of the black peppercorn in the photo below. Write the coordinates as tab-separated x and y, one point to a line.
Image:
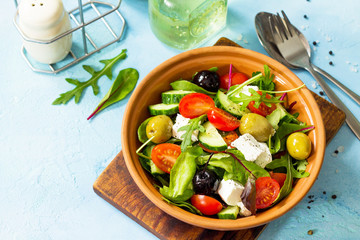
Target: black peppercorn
331	52
333	196
314	43
331	63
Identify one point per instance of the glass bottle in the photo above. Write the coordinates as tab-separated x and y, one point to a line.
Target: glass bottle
184	24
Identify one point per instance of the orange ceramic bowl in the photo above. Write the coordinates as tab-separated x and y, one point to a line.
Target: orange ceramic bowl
184	66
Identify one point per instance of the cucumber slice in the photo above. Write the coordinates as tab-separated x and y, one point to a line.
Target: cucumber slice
211	138
228	105
230	212
164	109
174	96
153	168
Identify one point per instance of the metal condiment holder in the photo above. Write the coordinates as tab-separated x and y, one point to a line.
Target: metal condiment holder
94	5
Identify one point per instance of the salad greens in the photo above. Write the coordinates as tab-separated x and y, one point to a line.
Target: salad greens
211	159
194	124
181	176
189	86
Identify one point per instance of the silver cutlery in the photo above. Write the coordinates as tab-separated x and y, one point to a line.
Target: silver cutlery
294	52
263	30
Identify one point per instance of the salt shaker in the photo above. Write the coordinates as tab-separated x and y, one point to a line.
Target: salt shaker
43	20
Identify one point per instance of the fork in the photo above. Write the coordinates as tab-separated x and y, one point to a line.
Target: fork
293	51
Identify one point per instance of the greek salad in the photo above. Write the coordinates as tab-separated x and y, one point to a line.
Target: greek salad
224	146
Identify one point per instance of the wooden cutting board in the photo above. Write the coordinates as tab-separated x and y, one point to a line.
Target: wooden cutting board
116	186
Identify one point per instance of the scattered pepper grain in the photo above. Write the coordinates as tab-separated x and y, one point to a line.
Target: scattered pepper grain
305	16
324	192
314	43
334	196
321	93
331	63
331	52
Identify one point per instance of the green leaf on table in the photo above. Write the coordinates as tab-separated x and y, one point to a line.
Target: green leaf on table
93	81
122	86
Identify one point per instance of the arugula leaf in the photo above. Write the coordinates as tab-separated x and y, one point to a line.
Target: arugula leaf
93	81
124	83
266	82
256	97
194	124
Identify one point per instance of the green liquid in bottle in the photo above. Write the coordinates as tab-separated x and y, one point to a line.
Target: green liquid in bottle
184	24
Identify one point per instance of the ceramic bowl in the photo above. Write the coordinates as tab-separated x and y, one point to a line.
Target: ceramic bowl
184	66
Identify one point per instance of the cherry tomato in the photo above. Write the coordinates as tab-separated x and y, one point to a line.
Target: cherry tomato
263	110
279	177
236	78
222	120
164	155
230	137
267	190
205	204
195	104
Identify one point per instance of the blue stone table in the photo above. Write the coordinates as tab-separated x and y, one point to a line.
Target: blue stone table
51	155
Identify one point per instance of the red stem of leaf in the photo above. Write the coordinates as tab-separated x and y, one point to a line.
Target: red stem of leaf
283	96
291	106
233	155
230	73
100	106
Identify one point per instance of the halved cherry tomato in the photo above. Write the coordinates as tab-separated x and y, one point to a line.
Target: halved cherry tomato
267	190
164	155
222	120
205	204
229	137
236	78
195	104
263	110
279	177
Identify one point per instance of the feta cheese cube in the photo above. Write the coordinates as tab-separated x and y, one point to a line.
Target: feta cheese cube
181	121
230	192
253	150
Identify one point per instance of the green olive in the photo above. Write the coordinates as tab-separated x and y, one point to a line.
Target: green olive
298	145
256	125
159	127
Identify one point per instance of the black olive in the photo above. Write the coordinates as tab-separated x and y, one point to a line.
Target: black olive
205	182
207	80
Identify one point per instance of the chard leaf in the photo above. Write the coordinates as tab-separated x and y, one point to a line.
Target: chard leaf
248	196
287	187
93	81
124	83
189	86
